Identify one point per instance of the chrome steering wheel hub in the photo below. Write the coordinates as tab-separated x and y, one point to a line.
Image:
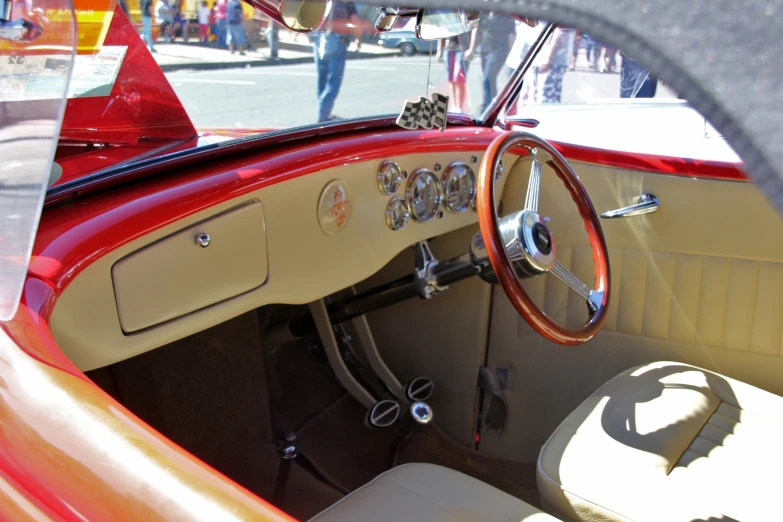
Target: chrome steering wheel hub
528	242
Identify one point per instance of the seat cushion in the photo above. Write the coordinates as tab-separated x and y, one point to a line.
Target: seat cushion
429	493
666	441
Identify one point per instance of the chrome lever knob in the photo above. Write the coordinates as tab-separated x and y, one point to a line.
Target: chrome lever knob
421	412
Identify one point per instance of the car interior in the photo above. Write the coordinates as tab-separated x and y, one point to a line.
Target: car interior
475	326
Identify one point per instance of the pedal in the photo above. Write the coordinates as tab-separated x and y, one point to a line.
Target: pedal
419	389
383	414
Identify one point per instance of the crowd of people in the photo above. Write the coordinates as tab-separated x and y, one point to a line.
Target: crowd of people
220	25
500	42
504	41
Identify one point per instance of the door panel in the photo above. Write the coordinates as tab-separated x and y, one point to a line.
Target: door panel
699	281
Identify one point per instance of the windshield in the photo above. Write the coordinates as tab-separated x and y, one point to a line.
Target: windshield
574	68
237	73
209	72
344	70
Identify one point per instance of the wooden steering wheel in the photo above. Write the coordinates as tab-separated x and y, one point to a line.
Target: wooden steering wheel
521	245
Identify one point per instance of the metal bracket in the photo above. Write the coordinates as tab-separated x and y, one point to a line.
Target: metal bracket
426	281
373	356
332	349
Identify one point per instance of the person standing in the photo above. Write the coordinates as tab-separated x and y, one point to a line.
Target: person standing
330	50
213	30
544	82
495	34
236	30
221	13
203	23
146	24
451	51
164	16
181	23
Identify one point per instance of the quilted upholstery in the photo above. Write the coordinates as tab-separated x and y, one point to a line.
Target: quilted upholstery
715	301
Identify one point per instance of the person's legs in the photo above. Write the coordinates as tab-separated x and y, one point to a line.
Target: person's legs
239	38
492	63
146	32
487	80
337	52
222	33
320	67
460	81
575	53
455	93
552	83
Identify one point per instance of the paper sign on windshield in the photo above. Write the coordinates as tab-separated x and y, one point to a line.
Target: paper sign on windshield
40	77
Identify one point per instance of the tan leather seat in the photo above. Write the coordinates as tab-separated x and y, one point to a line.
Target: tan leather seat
667	441
429	493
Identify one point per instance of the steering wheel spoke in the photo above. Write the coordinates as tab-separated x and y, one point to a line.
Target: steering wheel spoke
533	187
570	280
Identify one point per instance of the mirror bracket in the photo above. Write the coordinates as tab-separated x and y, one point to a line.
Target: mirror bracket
386	17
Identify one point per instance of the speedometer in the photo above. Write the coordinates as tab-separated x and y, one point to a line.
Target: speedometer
459	187
423	195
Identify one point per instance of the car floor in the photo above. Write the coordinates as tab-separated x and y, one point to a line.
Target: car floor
219	395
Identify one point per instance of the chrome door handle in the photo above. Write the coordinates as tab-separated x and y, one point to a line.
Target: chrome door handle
647	203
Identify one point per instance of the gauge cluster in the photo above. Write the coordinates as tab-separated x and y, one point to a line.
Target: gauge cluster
427	191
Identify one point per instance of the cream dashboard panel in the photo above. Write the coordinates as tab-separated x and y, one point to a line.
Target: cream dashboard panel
304	263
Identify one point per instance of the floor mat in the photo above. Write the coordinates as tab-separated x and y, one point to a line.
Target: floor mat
208	394
433	446
343	448
301	385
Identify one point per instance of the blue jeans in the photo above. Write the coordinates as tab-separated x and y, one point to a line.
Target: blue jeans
491	63
222	33
146	31
330	52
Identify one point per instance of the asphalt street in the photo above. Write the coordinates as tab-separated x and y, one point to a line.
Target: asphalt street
285	95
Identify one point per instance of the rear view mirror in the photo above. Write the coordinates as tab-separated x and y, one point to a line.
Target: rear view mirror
298	15
435	24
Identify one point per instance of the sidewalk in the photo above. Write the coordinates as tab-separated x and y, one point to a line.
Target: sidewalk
191	55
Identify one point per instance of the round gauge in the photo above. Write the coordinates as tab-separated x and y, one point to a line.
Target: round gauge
423	195
389	178
397	214
459	187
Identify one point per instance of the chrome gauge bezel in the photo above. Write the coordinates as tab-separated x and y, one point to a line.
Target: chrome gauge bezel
390	213
409	197
444	185
387	189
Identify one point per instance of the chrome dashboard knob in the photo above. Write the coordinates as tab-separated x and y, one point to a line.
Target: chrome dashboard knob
421	412
203	240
